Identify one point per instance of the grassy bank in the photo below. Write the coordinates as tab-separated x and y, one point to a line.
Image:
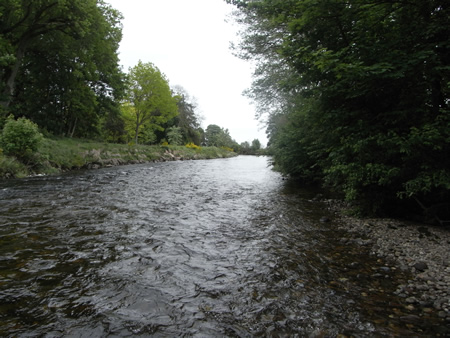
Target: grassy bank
59	155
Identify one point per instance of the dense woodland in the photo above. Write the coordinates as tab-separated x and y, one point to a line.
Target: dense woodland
59	68
356	94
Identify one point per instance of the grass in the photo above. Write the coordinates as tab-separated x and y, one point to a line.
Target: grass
10	167
63	154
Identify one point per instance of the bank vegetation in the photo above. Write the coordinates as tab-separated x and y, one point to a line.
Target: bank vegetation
356	96
58	155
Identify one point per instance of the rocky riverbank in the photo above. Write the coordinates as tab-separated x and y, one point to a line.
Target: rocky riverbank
60	155
96	158
420	249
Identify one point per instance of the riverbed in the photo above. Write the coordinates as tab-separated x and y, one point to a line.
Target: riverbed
208	248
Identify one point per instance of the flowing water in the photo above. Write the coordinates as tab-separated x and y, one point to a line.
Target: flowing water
217	248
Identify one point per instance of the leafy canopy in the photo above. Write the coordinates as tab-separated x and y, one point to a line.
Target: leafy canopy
355	95
74	43
149	98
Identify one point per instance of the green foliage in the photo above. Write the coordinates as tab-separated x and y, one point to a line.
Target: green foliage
245	148
11	167
193	146
256	145
187	119
228	149
355	95
147	136
112	127
3	117
214	152
174	136
61	154
74	43
20	138
149	101
254	149
216	136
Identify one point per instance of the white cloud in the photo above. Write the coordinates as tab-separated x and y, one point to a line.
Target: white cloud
189	42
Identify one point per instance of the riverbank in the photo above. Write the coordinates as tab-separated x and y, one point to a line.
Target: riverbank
419	249
60	155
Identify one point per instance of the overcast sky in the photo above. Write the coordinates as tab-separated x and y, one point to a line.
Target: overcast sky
188	40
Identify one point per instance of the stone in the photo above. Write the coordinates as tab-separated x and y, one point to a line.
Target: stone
428	257
442	314
410	307
421	266
411	300
410	318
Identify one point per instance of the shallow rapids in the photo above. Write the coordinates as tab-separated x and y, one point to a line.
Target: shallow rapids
217	248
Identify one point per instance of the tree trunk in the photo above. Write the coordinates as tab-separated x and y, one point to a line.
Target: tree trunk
11	76
73	128
136	133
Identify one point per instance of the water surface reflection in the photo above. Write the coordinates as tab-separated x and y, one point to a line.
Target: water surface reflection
198	248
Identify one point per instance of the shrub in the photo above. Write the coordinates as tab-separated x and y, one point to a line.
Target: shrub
193	146
174	135
10	167
20	138
227	149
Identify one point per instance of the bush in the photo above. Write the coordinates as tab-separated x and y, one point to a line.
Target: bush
227	149
10	167
175	136
20	138
193	146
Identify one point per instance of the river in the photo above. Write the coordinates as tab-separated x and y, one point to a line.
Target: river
216	248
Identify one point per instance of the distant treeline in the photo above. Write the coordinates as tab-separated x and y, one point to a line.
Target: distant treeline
59	68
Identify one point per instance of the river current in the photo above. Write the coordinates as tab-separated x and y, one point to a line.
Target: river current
217	248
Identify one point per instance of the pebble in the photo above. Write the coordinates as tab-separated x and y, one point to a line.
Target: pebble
419	249
411	300
410	318
421	266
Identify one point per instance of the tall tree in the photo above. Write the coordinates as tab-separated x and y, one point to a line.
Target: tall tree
82	77
256	145
187	120
150	98
25	22
216	136
358	93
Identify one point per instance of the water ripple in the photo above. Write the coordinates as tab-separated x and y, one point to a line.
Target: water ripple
197	248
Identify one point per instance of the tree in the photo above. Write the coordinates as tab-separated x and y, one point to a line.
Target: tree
150	98
82	82
113	127
174	136
187	119
24	23
245	148
216	136
358	94
256	145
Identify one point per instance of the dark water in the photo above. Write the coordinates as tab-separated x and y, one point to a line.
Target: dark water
219	248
